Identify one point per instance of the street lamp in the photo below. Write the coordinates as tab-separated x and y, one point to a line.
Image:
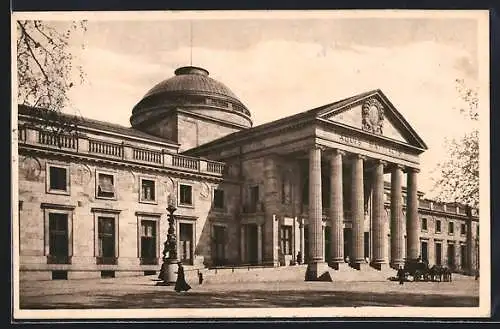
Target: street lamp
170	261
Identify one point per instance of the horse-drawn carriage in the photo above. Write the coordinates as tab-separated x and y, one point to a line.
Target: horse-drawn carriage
420	271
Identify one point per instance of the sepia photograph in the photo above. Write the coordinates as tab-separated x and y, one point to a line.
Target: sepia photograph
250	164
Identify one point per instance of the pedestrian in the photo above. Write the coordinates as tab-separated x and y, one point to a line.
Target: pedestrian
200	277
401	275
299	258
181	284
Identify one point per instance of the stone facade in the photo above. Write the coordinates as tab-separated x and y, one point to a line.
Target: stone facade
94	203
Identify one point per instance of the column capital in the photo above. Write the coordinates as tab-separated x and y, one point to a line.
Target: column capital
337	152
317	147
356	156
380	161
395	166
412	170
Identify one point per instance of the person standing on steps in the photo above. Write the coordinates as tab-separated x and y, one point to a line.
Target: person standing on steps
181	284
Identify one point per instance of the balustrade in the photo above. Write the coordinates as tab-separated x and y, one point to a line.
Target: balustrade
147	155
185	162
58	140
215	167
105	148
120	150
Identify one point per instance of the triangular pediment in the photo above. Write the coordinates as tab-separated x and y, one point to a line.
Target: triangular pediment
374	114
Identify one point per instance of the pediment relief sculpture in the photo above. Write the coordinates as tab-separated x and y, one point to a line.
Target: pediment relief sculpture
373	116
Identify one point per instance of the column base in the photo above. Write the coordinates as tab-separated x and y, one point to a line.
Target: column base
396	264
318	272
380	266
360	266
338	265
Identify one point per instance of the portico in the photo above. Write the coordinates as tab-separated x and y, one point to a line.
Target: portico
326	170
364	171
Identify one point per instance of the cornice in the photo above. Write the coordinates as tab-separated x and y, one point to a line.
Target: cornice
45	205
224	122
116	162
433	212
105	210
147	213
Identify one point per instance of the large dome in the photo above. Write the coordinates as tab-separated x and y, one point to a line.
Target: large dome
193	79
191	89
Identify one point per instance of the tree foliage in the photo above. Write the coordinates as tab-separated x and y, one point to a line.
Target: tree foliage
459	174
46	71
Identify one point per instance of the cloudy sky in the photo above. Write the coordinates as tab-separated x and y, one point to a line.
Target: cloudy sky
282	66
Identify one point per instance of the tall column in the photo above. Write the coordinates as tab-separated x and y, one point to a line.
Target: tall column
358	212
242	243
336	209
412	215
378	213
316	266
315	207
259	243
397	232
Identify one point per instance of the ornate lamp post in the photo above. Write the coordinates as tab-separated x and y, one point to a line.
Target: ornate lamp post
170	261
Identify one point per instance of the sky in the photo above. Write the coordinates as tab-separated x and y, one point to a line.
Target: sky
281	66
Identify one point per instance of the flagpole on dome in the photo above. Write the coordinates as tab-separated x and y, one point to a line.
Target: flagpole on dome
191	42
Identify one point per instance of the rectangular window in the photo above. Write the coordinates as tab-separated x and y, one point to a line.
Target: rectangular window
186	194
438	254
106	240
186	245
424	251
218	199
438	226
286	239
462	229
463	256
328	243
58	178
424	224
106	186
450	228
283	191
148	190
219	239
451	256
254	197
58	238
148	242
366	244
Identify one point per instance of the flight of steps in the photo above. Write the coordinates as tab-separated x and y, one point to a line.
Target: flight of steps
285	273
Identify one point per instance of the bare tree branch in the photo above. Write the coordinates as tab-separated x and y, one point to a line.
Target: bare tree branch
45	69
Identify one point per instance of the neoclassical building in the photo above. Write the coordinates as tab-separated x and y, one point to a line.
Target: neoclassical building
336	184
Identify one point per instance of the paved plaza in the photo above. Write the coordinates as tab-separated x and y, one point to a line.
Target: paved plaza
141	292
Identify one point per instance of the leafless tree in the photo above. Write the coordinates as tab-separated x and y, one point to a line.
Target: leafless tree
46	71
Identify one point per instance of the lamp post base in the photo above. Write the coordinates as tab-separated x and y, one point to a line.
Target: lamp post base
169	272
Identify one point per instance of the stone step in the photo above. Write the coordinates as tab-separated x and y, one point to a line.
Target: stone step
292	273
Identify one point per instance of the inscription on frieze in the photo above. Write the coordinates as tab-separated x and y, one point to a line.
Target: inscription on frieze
350	140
